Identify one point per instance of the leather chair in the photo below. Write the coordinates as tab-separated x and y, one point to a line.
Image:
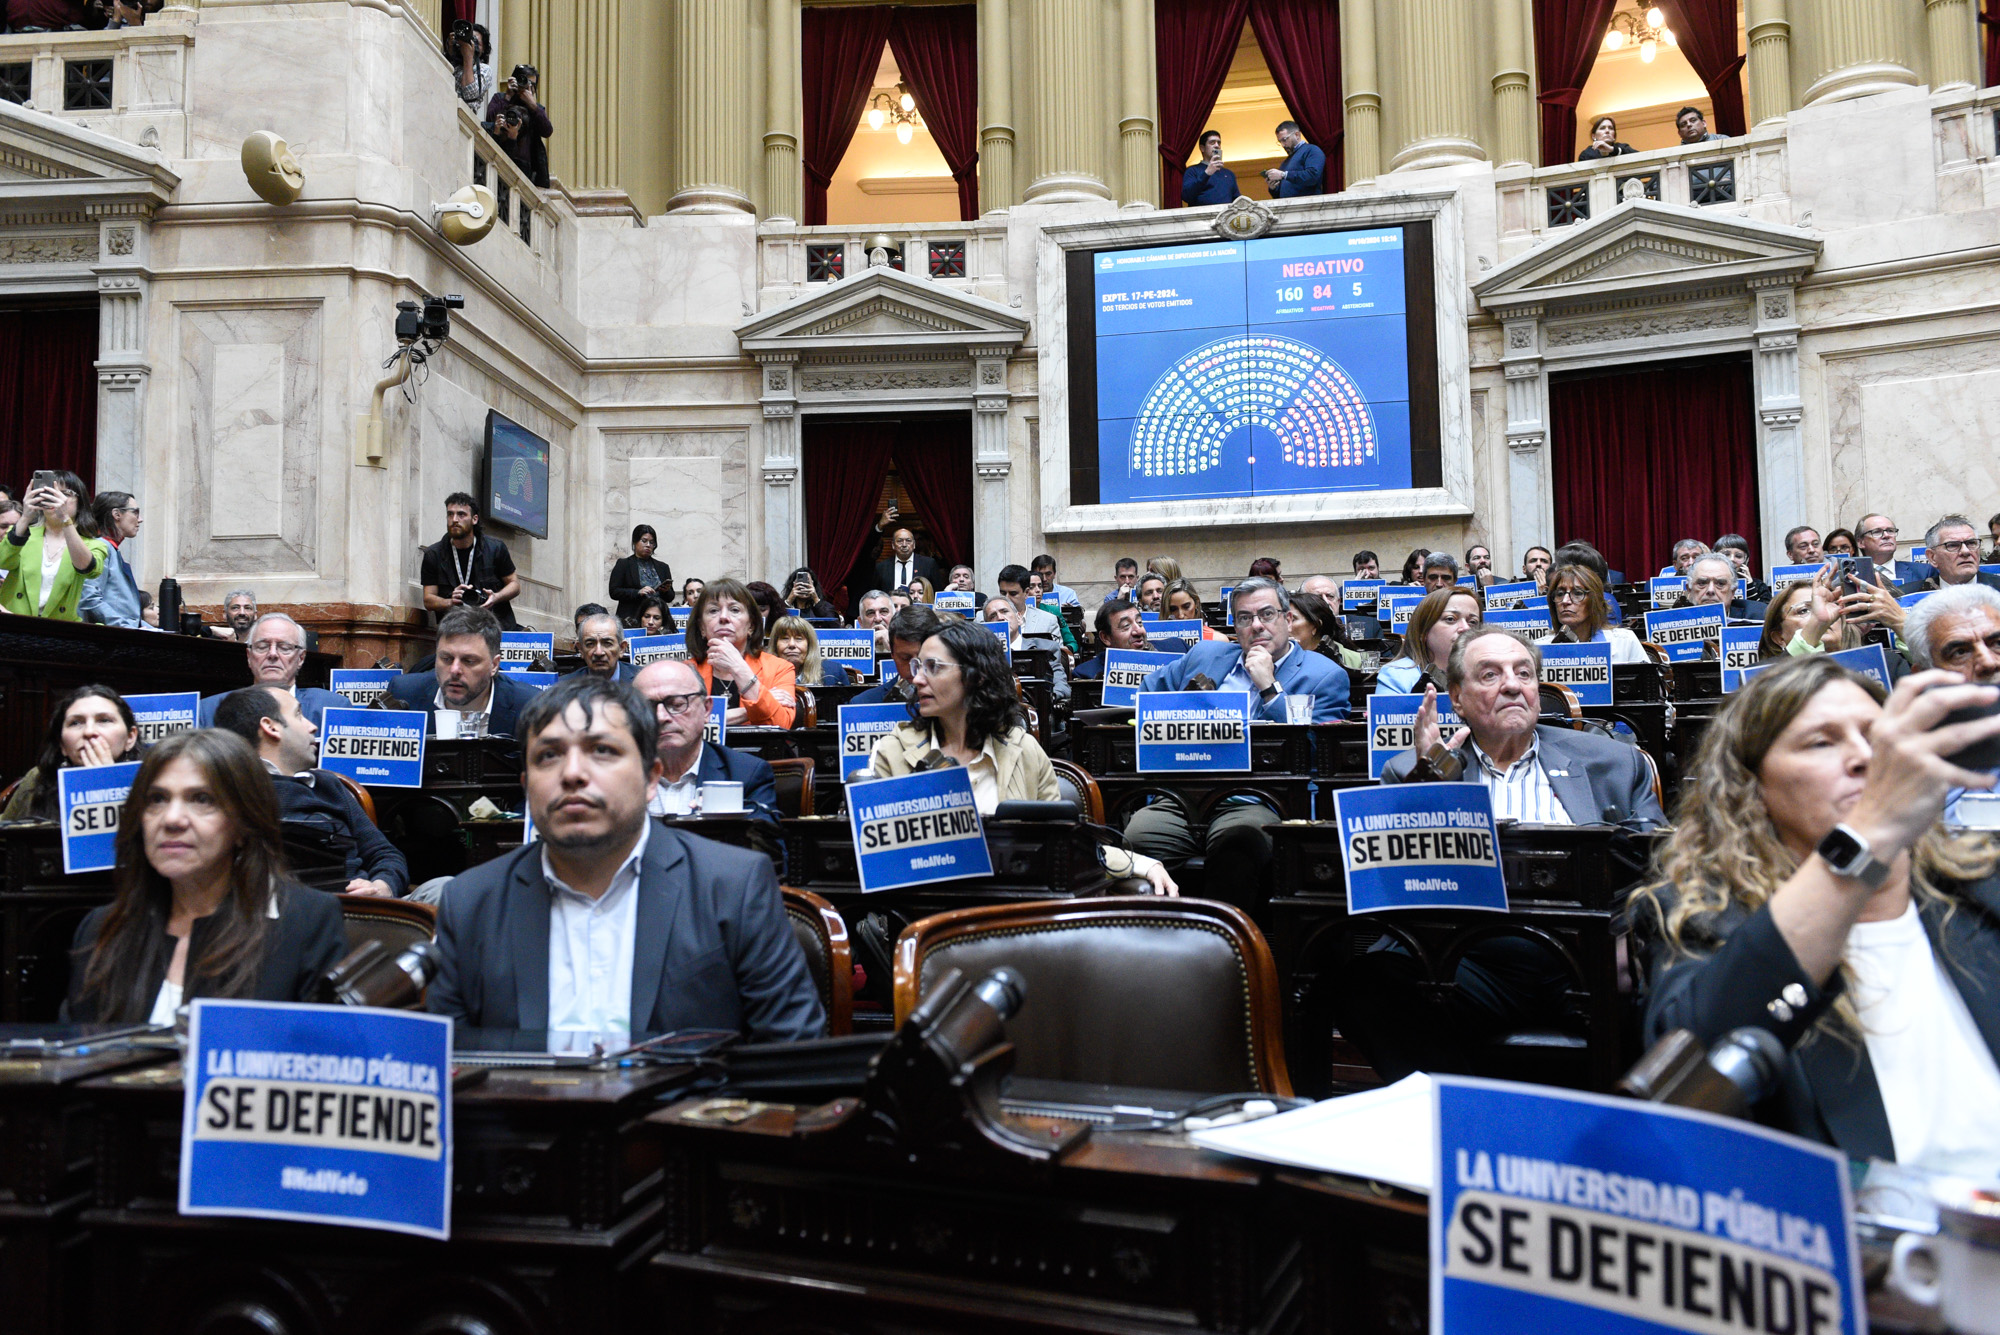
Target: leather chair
360	794
1560	705
1076	785
1137	991
795	785
822	935
397	923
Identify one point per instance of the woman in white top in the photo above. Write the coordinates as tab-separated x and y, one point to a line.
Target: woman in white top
1809	888
1577	610
202	904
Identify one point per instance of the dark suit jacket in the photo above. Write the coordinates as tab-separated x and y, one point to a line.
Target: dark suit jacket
625	577
313	702
1931	584
1741	966
625	673
712	950
759	780
1597	780
418	690
327	808
924	567
1301	673
304	941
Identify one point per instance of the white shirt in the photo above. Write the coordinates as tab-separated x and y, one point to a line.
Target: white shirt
903	564
55	551
457	726
590	948
166	1003
682	796
1624	644
1239	680
1521	791
1939	1084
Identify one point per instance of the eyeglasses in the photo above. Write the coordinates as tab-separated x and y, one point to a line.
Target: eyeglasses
1879	532
931	667
1263	616
1962	545
1569	596
276	647
679	704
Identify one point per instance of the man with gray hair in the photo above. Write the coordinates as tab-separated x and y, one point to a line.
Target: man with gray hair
1711	579
1952	549
1958	628
276	645
1685	551
239	613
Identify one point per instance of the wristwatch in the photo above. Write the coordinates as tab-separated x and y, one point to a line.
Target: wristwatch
1846	853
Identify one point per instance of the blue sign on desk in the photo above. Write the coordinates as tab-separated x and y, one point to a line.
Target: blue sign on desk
1420	846
1396	604
378	748
1001	629
951	600
1125	669
658	649
90	799
860	725
718	720
318	1114
1742	646
520	648
540	681
1561	1211
680	616
1359	595
1392	727
161	716
917	829
1530	621
363	686
854	648
1584	668
1509	595
1666	590
1783	575
1870	660
1194	732
1222	595
1173	637
1683	631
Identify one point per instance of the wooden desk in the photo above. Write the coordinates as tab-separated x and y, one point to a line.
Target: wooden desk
1322	750
428	825
40	908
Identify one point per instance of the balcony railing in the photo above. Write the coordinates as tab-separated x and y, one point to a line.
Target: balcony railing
122	82
969	256
529	216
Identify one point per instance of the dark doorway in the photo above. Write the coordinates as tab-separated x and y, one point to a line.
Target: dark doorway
48	390
854	468
1643	458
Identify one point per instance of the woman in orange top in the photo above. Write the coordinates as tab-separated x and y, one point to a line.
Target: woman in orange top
725	638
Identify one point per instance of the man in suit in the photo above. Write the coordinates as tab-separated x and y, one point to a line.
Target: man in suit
1119	626
312	800
466	678
1952	551
611	922
1001	608
1711	581
687	761
1036	622
277	650
1875	538
602	644
905	562
905	633
1266	663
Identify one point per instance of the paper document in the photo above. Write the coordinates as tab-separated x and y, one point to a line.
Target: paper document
1384	1135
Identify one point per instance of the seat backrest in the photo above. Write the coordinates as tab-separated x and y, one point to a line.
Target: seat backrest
1143	992
396	923
806	712
822	935
1559	702
1077	786
361	795
795	785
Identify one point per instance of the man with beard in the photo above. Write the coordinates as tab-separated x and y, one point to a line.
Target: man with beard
465	568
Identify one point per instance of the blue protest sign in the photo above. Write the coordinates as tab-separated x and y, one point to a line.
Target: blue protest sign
917	829
1682	631
1920	555
1561	1211
1125	669
319	1114
1358	595
658	649
952	600
1420	846
1396	604
1193	732
379	748
1172	637
1990	569
1783	575
850	648
1530	621
631	633
160	716
541	681
1666	590
860	725
524	646
1467	579
680	616
1509	595
1001	629
363	686
1392	727
1742	646
888	670
1541	600
1912	599
1052	605
1228	606
1148	616
718	720
89	799
1584	668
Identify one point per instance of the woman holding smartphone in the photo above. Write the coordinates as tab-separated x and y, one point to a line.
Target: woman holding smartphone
53	549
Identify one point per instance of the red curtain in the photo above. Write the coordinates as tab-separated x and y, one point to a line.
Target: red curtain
840	49
937	49
1567	35
934	461
48	393
844	464
1645	458
460	11
1991	18
1707	33
1193	43
1301	44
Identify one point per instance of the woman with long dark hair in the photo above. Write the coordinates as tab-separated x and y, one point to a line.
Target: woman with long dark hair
92	725
52	551
725	642
803	598
639	576
203	905
1318	631
654	619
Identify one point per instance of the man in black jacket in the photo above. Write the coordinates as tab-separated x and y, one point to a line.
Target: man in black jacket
312	799
905	563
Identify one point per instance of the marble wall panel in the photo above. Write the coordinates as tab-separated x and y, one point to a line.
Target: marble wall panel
1910	432
249	442
1870	161
693	487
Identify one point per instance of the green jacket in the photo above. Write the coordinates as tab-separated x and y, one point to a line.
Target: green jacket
22	593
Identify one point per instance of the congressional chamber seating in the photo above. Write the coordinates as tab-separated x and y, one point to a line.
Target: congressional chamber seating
1173	994
795	785
1079	789
822	935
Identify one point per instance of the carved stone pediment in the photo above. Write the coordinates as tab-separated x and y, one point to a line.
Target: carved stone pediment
883	309
48	165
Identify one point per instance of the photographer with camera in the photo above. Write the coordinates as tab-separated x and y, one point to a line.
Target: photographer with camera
468	569
469	48
517	119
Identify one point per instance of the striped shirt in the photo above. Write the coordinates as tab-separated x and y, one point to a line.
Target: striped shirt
1521	792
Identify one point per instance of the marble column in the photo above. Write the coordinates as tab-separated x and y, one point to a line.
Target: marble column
1781	491
1513	108
784	502
1530	486
122	369
1954	50
711	95
1770	65
1139	176
992	465
996	107
1435	71
586	107
1861	44
781	112
1363	139
1066	44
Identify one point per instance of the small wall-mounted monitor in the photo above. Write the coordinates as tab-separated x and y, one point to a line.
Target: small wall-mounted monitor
514	476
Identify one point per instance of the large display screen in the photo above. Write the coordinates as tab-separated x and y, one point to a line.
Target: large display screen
1283	365
516	476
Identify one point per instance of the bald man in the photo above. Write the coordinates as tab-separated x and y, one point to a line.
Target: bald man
687	758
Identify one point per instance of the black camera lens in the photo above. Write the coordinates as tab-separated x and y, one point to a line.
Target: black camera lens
473	597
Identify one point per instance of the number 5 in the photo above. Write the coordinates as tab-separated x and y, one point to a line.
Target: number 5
1357	289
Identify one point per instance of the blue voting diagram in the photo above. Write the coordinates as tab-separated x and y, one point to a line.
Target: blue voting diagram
1253	368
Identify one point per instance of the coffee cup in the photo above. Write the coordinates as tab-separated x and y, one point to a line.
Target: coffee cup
721	797
1956	1270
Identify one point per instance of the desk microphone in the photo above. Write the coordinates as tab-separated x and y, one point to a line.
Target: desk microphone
1731	1078
369	976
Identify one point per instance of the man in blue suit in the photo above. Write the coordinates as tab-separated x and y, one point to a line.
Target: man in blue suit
277	650
467	679
1265	662
1875	538
1304	172
602	644
687	760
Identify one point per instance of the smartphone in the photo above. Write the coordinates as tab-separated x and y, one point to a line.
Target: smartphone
43	478
1861	575
1980	756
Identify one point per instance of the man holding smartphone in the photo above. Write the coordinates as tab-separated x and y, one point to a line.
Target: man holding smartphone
1208	181
1958	629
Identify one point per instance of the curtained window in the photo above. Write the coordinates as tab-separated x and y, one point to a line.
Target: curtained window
1193	43
840	48
843	467
1567	36
937	49
1707	33
48	393
1643	458
1301	44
